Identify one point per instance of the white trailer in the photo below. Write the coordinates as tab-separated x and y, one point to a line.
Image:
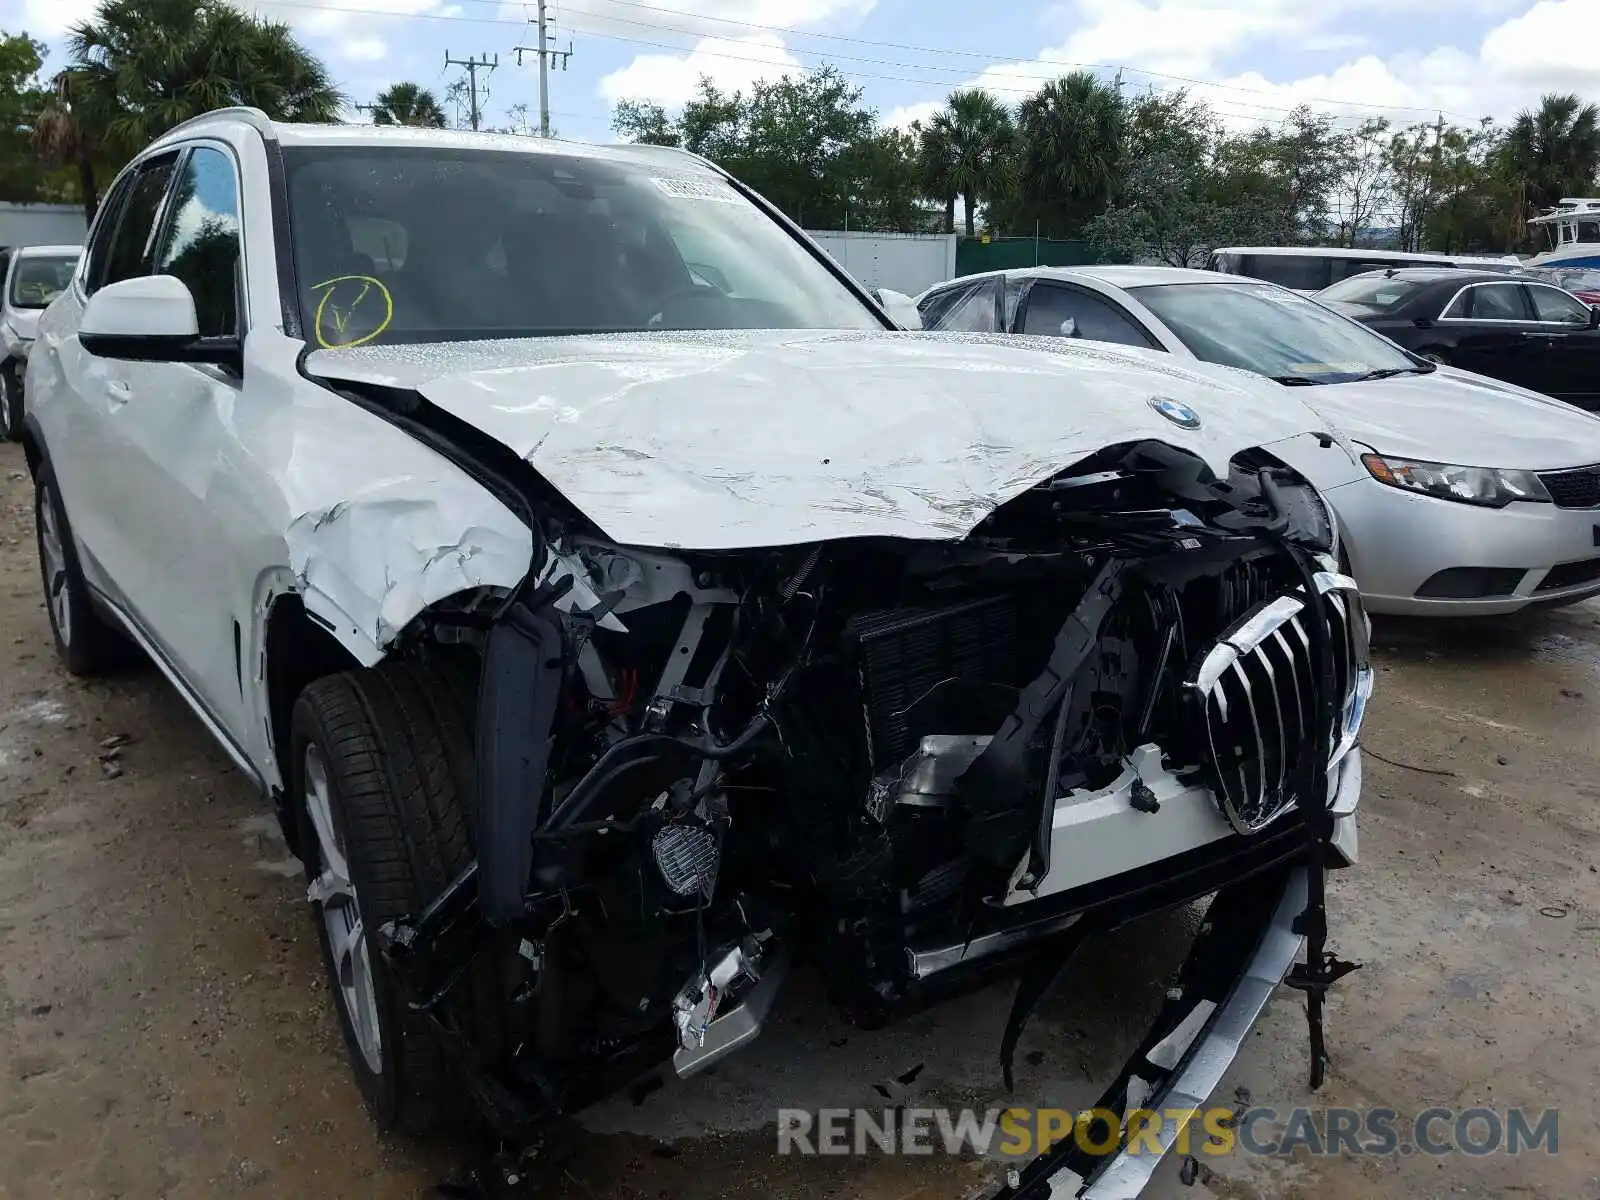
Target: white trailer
905	262
41	224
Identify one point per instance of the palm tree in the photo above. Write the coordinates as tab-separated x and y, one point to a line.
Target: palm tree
1554	151
139	67
935	171
407	104
976	132
62	140
1072	132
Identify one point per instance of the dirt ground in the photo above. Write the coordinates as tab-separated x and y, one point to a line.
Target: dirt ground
165	1030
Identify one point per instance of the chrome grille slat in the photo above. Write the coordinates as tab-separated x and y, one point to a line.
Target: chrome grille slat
1265	663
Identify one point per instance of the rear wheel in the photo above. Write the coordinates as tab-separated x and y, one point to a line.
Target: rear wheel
383	767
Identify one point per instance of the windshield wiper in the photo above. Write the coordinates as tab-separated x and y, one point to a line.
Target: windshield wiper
1295	381
1391	372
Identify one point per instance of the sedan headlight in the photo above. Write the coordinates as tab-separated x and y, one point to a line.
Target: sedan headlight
1486	486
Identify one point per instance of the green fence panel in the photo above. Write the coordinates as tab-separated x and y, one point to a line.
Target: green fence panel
1008	254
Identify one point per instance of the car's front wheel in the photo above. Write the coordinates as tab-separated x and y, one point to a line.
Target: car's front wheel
382	768
10	402
85	644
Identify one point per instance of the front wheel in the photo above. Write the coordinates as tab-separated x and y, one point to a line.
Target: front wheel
10	402
382	768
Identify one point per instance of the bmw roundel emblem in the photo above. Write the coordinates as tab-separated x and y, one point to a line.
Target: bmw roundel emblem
1178	413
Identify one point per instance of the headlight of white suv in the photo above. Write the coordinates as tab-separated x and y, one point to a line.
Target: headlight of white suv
1486	486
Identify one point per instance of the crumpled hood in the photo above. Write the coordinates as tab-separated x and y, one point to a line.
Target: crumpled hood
1453	416
728	440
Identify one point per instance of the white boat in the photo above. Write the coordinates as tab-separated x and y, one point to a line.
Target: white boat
1573	231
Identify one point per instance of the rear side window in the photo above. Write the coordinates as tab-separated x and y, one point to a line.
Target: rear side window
1383	292
1302	272
973	313
1491	302
128	253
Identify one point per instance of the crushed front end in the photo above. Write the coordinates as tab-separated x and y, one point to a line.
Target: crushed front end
915	765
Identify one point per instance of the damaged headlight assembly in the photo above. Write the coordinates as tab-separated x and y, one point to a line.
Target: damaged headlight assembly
917	766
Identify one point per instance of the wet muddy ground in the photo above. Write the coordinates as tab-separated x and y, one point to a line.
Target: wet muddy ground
165	1031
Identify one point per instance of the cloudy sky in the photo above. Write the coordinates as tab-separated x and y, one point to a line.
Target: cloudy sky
1253	59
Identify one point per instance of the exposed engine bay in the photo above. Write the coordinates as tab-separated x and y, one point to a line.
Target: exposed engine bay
883	757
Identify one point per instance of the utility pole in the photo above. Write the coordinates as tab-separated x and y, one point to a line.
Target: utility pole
473	66
547	57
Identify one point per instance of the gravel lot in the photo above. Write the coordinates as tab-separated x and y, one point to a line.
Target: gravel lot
164	1029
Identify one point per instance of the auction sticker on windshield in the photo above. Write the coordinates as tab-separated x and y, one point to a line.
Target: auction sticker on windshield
680	188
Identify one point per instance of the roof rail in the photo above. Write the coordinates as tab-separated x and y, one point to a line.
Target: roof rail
672	151
253	117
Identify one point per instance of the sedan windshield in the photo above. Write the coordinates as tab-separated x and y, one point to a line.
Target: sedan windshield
39	279
1276	333
424	244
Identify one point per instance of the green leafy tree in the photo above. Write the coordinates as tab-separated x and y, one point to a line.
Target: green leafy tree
935	178
24	177
644	122
408	104
139	67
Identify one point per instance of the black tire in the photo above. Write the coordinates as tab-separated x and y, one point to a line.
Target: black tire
10	401
398	764
86	645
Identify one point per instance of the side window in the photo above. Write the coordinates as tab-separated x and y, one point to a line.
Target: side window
1497	302
201	246
5	262
973	314
98	244
1460	306
1051	308
1555	306
128	254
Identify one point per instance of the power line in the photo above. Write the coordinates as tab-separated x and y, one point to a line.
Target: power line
1036	82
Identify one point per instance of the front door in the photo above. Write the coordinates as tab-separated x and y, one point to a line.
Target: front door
1493	332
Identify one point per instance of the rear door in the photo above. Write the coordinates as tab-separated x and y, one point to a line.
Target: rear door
1572	348
1490	328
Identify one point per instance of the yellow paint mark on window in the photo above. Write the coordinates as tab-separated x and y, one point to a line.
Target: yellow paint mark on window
341	297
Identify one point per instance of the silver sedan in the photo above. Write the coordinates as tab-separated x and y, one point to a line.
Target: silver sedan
1474	497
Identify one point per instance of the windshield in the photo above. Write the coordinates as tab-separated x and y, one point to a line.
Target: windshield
1382	292
422	244
1272	332
39	279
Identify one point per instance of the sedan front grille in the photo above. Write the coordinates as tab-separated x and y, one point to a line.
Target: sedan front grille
1254	691
1577	488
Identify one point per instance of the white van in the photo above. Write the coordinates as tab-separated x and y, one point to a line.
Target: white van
1309	269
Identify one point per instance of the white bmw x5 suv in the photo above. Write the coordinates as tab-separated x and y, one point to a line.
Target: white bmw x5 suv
618	610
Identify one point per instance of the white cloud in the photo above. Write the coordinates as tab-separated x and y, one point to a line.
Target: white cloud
364	49
671	79
902	117
1546	46
49	19
703	18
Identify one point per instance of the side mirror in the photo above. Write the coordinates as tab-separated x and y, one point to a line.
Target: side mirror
1069	327
902	309
151	319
